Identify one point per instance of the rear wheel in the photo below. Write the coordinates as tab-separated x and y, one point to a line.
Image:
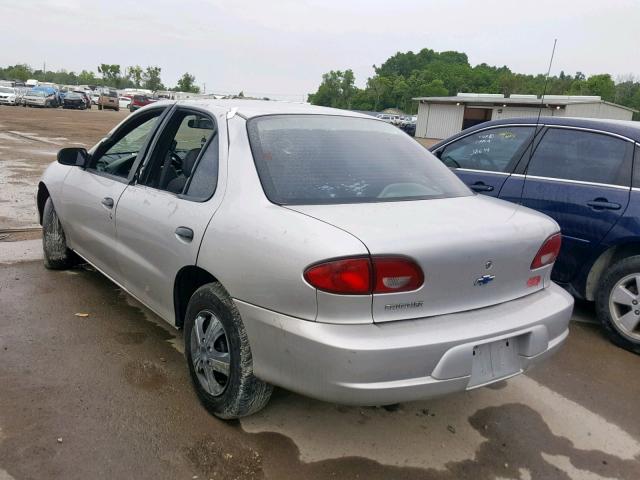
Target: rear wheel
99	107
57	255
219	355
618	303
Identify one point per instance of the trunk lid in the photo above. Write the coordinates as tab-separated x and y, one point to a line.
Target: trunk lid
474	251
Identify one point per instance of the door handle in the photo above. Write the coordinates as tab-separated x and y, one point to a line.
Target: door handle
184	233
107	202
603	204
481	187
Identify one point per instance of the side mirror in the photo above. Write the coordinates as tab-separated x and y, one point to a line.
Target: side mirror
73	156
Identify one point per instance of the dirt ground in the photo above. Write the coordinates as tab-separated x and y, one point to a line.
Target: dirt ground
108	395
29	141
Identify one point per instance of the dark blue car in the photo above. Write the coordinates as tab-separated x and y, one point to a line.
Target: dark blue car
584	173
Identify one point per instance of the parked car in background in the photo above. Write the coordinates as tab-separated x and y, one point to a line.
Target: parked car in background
74	100
42	97
408	125
95	97
399	282
20	93
8	96
385	117
582	173
108	100
139	101
124	101
85	98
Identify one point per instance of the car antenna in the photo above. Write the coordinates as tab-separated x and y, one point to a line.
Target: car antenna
546	81
544	92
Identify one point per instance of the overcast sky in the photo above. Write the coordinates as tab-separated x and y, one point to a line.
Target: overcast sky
280	48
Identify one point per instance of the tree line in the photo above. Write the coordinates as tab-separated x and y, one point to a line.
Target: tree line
428	73
109	75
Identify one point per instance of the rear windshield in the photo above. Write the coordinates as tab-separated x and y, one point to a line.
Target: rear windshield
322	159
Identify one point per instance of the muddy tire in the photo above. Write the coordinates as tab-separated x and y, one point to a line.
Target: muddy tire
57	255
618	303
219	356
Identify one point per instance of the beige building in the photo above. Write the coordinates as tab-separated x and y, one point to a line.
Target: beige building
441	117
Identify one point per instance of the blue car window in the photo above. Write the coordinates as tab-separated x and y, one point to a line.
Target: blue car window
636	168
584	156
491	150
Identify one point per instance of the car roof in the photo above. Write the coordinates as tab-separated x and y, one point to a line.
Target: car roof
626	128
255	108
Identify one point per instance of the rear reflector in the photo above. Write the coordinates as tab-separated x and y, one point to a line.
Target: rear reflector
548	252
365	276
534	281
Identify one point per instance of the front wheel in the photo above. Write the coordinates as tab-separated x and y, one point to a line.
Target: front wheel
618	303
57	255
219	356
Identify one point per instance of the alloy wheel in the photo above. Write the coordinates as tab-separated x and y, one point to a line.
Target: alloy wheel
624	305
210	353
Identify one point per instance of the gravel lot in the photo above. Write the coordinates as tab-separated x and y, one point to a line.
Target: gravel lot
108	395
29	141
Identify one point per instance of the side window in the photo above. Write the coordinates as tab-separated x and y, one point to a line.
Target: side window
491	150
636	167
123	150
204	179
178	149
583	156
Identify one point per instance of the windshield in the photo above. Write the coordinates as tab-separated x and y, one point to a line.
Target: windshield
320	159
6	90
38	93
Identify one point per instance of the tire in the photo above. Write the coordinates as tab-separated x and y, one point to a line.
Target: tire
617	292
57	256
99	107
118	109
239	393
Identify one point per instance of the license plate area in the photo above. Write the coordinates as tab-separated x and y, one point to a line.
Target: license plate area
494	361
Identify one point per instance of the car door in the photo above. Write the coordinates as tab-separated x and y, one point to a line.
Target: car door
90	196
161	219
485	158
580	178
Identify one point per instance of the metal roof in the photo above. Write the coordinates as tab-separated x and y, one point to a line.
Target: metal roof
516	99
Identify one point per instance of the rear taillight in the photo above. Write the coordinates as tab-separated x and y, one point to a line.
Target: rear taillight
365	276
548	252
396	274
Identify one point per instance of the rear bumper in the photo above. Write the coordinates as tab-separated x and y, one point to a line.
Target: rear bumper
378	364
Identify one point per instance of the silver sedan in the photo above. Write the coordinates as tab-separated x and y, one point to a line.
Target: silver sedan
315	249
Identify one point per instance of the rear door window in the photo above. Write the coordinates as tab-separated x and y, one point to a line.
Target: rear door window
582	156
177	153
493	150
